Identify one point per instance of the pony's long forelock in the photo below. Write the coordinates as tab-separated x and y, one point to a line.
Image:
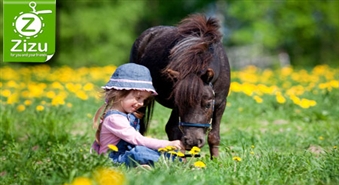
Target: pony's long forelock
188	92
200	26
192	53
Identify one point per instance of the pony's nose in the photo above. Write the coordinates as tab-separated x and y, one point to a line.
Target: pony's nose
190	142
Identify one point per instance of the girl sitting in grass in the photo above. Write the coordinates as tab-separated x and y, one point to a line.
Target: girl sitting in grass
125	92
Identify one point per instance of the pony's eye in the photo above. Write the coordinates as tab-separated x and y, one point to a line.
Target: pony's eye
208	105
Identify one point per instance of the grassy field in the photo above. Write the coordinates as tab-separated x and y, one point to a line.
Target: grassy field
280	127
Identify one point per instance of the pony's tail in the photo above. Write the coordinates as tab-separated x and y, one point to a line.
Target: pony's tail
147	112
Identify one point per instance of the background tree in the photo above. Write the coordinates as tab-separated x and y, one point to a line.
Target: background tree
307	30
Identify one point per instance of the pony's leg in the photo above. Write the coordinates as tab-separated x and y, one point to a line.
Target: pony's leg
214	134
172	129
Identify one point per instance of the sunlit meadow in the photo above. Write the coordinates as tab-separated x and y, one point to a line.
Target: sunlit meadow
280	127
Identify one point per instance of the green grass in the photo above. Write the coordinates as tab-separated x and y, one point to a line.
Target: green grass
277	144
47	150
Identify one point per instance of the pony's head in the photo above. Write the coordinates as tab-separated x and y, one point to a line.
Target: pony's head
194	99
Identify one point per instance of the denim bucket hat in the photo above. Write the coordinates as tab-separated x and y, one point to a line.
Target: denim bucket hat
131	76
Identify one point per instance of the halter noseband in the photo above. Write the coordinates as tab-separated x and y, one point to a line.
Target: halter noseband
199	125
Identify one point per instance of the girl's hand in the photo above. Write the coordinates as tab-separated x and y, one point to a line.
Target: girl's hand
177	144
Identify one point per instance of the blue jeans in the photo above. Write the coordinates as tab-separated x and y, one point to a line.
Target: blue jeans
134	156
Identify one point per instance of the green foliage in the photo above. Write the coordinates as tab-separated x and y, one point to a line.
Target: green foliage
305	30
96	32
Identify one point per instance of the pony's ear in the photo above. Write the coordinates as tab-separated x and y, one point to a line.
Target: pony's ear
208	76
173	74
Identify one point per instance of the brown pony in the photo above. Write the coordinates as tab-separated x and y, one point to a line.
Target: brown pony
191	74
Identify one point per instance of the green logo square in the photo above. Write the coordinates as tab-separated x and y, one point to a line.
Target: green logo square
29	30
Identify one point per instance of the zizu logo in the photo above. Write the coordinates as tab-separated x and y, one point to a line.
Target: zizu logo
29	25
30	36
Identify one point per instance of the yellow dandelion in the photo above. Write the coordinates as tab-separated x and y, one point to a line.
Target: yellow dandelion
14	98
252	153
82	95
195	150
50	94
335	147
180	154
199	164
107	176
27	102
57	85
258	99
236	158
12	83
82	181
169	148
162	150
6	93
305	103
321	138
40	108
88	87
334	83
280	98
69	105
58	100
20	108
112	147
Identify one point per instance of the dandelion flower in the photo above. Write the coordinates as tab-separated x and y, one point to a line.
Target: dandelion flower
236	158
162	150
58	100
6	93
82	181
199	164
27	102
20	108
82	95
194	150
113	147
13	99
321	138
169	148
88	87
335	147
280	98
258	99
180	154
50	94
40	108
107	176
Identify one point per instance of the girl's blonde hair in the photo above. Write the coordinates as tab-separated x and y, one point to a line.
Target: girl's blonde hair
112	97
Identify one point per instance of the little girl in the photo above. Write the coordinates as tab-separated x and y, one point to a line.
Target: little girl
126	91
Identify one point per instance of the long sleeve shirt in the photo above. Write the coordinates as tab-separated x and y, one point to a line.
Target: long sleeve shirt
116	127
